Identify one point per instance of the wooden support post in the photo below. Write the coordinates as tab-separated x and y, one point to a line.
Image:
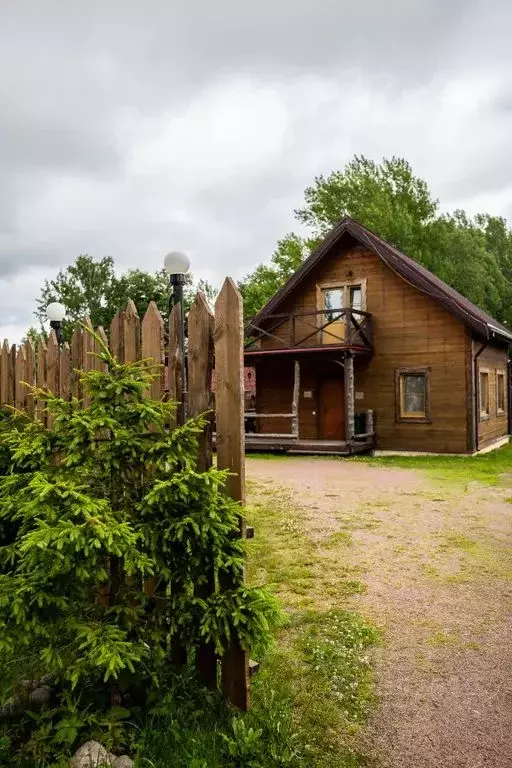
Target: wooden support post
349	397
369	422
295	401
229	396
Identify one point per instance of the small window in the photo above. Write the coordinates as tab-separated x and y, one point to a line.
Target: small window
500	392
484	394
333	298
412	394
356	297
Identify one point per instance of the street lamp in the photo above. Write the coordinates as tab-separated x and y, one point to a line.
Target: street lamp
177	265
56	312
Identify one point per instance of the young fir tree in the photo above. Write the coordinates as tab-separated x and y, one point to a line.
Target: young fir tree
104	500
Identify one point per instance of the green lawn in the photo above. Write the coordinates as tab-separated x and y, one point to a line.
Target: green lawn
486	468
315	688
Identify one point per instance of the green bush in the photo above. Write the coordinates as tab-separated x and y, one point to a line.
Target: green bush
100	501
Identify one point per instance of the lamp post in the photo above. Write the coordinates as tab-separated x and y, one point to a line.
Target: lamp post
177	265
56	312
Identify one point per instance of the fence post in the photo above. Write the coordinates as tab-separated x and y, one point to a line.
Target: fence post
152	350
153	347
200	367
229	399
76	362
131	333
117	336
42	372
98	365
20	377
30	373
64	372
175	376
4	379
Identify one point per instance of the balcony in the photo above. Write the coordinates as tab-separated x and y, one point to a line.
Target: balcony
313	331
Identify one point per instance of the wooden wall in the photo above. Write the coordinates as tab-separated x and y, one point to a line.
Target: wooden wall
410	330
274	383
492	359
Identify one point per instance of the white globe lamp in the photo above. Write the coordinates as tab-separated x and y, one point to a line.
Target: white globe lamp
176	263
56	312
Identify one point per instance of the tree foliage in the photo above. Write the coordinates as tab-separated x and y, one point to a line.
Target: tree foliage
266	279
92	288
472	254
90	507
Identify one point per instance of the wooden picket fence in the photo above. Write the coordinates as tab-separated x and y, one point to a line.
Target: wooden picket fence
211	336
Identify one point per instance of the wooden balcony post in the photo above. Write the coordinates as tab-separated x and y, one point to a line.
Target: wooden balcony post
349	396
347	335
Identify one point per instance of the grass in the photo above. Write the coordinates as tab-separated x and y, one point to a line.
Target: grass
322	656
461	560
304	571
314	689
487	468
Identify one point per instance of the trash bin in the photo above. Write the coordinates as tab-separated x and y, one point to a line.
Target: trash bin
360	423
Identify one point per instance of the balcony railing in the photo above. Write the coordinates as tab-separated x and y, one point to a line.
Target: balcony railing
321	328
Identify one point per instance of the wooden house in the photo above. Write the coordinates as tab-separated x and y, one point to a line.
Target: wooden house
364	349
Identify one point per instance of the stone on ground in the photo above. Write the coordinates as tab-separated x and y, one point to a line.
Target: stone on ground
90	755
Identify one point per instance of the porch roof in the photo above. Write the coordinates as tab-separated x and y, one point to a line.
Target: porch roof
325	350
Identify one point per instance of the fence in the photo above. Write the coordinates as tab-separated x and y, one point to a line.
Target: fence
211	336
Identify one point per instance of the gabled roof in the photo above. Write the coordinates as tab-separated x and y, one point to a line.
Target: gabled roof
479	321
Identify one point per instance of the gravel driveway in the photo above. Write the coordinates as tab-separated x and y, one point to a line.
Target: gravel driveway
437	564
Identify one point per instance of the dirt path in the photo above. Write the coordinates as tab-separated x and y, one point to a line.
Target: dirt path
437	564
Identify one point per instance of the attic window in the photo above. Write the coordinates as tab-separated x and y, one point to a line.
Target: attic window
412	392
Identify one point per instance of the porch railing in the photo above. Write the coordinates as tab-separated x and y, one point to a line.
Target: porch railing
343	327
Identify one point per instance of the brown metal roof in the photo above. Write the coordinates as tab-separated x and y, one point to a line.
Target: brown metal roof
479	321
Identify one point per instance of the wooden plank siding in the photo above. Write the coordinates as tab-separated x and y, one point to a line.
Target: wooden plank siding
493	359
411	330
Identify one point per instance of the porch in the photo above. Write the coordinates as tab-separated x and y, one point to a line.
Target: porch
293	445
306	403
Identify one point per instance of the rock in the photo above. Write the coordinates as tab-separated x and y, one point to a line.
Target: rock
111	758
40	699
29	685
90	755
124	762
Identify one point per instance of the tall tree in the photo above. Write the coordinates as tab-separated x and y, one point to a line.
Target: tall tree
474	255
261	284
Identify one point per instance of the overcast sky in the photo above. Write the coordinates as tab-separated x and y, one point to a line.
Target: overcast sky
133	128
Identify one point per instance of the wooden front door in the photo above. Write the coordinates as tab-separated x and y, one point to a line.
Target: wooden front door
332	409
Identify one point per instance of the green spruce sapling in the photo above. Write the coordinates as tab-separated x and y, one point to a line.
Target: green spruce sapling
116	534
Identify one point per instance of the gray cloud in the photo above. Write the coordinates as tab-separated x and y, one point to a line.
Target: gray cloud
128	128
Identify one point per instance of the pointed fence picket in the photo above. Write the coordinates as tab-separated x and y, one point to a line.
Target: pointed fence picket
211	336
